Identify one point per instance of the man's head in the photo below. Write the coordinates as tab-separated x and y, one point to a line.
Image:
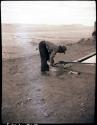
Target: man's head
62	49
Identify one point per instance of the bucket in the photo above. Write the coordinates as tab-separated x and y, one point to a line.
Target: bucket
57	70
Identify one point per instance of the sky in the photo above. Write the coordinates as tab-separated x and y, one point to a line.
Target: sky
49	12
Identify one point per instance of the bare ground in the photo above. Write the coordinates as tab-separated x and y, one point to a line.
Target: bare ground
29	97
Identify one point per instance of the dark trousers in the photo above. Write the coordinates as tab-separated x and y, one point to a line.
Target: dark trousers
44	55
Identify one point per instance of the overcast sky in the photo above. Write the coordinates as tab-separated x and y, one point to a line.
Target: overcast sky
49	12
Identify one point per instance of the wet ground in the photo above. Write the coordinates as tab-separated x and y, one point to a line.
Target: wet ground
30	97
61	97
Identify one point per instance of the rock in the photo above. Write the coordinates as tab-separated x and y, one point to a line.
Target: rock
24	102
46	114
83	108
67	65
82	104
73	72
42	99
29	99
19	103
38	89
36	48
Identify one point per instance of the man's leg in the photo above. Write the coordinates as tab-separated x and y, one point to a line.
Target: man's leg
44	57
44	65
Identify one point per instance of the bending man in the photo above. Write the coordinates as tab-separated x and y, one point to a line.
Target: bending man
48	51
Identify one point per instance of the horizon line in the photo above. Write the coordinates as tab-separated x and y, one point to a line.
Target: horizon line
50	24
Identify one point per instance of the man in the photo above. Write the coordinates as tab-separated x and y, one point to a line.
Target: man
94	35
48	51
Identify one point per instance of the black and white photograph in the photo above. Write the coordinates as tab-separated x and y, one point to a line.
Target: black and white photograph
48	61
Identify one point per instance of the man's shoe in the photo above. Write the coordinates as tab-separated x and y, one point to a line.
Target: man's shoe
45	73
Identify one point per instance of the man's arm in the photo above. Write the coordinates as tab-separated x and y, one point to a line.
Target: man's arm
52	57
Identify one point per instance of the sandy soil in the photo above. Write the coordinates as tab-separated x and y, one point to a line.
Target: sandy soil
61	97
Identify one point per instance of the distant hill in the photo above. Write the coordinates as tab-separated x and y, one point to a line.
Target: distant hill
54	33
48	27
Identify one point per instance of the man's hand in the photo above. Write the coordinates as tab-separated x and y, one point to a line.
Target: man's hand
52	62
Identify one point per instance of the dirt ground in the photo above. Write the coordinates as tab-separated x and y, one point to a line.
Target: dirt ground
61	97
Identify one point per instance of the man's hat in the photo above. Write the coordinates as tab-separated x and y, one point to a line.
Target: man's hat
62	49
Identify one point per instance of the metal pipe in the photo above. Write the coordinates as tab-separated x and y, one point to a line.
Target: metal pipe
77	61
